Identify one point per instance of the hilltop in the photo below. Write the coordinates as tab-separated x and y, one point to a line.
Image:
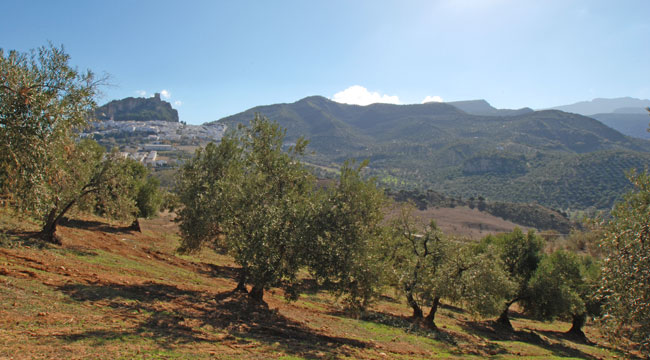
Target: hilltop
138	109
554	158
482	107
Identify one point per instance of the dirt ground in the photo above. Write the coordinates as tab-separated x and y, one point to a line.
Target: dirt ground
110	293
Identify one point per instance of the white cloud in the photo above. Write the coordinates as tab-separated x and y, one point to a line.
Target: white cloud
178	103
430	98
165	94
358	95
141	93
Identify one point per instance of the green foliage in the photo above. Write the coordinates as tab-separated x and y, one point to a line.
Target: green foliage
521	255
563	285
148	198
626	268
251	198
271	207
43	102
260	197
417	260
205	188
483	285
110	180
519	252
348	251
140	186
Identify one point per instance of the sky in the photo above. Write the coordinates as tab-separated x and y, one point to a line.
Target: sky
212	59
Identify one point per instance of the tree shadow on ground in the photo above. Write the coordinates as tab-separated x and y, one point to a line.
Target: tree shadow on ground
561	335
174	316
95	226
219	271
17	238
406	323
495	332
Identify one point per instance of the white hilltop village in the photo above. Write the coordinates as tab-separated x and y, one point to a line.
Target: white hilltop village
153	136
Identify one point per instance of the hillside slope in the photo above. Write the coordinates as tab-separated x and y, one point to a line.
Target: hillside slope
635	125
108	293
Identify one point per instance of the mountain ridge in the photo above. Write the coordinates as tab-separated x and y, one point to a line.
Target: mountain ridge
604	105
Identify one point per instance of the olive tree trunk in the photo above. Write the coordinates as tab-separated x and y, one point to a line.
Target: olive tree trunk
577	324
257	293
504	319
417	310
429	321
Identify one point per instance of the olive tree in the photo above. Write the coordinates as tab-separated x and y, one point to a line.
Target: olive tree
348	249
206	190
626	267
83	171
44	170
43	103
259	197
428	266
520	254
564	285
133	194
251	198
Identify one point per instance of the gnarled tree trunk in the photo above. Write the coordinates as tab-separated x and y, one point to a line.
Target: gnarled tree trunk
429	321
577	324
417	311
135	225
257	293
48	232
504	319
241	282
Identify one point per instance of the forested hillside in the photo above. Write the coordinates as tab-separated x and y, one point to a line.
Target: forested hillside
557	159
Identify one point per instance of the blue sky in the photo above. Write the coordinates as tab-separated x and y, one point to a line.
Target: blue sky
217	58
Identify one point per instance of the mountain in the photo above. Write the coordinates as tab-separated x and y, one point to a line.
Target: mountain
557	159
630	124
600	106
137	109
482	107
626	115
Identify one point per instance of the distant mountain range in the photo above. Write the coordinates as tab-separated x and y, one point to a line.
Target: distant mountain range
626	105
468	148
627	115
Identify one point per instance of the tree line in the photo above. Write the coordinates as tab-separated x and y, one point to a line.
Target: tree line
252	197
